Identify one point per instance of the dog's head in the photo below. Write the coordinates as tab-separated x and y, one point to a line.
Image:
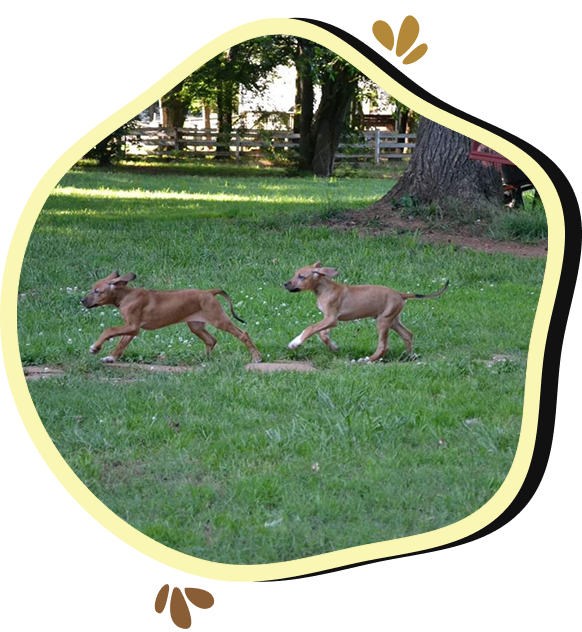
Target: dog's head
308	278
105	290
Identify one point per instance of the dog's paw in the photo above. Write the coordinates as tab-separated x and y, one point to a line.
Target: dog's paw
109	359
296	342
94	349
333	346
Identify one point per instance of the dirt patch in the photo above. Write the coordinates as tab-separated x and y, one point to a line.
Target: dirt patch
272	367
151	368
41	372
372	222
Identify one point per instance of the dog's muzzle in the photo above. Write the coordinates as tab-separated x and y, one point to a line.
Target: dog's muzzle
288	287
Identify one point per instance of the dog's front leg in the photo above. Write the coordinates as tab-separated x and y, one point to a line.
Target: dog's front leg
112	332
119	349
327	323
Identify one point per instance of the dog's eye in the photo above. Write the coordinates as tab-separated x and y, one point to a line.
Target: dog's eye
96	291
301	277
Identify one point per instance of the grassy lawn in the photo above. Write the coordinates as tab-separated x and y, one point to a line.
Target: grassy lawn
219	462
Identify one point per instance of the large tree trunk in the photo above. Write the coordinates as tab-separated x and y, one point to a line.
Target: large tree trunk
224	107
336	97
304	73
173	110
440	171
402	125
225	102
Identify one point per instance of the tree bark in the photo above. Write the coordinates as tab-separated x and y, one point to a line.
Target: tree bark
336	97
401	125
224	107
304	72
173	110
440	171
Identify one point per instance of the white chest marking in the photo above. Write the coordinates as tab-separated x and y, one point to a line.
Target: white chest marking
319	306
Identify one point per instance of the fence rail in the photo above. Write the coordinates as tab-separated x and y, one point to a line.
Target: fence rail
243	144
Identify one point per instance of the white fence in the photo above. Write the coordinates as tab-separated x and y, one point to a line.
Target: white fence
242	144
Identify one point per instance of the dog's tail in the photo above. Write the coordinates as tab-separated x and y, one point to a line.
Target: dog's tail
227	297
435	295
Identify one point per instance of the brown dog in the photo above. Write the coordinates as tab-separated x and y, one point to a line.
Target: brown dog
151	309
338	301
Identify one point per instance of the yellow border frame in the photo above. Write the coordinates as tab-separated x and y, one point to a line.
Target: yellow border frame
469	525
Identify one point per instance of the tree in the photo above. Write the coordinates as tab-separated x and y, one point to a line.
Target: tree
405	119
217	83
112	147
249	65
174	107
440	172
320	132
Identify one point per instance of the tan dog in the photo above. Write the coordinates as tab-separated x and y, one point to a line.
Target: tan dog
151	309
338	301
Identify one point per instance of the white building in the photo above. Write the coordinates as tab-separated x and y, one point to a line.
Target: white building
273	108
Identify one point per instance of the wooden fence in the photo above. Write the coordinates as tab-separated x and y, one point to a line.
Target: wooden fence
242	144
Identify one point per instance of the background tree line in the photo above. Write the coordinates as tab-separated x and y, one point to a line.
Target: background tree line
439	171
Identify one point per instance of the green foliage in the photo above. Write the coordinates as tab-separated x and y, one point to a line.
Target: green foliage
249	64
526	223
402	110
112	147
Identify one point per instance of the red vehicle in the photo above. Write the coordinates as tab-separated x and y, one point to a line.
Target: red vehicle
515	182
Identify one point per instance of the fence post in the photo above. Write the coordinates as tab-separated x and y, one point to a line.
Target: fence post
177	139
377	147
237	145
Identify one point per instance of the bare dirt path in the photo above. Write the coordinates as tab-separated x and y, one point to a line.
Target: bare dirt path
32	373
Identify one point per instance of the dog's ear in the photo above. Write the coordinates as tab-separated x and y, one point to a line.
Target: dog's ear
113	275
123	280
317	264
329	272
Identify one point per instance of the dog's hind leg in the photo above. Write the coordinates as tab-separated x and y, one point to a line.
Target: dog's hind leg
384	323
223	323
207	338
404	333
324	335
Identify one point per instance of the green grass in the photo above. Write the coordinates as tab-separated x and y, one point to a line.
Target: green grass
527	223
219	462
